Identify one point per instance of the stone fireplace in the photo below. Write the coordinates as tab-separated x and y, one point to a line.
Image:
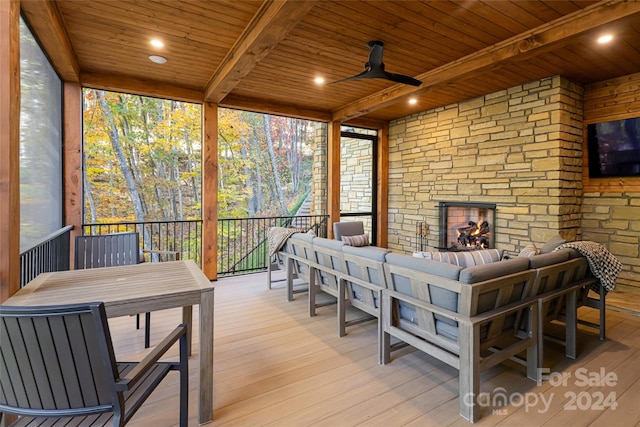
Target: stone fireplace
467	226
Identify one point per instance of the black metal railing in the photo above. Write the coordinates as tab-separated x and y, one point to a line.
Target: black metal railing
243	245
184	237
50	254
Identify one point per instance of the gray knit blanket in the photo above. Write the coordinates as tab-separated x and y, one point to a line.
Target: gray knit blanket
604	266
277	237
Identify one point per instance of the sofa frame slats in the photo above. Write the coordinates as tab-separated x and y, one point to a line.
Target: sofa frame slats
471	318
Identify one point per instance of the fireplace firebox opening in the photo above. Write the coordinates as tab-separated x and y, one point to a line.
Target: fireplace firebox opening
467	226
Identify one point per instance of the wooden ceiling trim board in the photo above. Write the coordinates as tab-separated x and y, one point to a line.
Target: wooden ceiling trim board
606	89
470	28
402	36
230	12
86	18
439	27
135	48
567	7
434	32
43	17
506	22
523	46
270	25
138	86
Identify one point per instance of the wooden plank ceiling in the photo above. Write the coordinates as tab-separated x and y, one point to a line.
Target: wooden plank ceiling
265	55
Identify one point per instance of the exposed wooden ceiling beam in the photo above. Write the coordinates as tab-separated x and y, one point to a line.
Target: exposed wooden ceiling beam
520	47
44	19
269	26
140	87
259	106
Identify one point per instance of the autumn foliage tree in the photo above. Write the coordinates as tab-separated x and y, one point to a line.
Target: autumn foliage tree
142	160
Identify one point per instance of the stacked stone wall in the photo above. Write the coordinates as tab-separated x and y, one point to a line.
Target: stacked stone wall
319	172
520	148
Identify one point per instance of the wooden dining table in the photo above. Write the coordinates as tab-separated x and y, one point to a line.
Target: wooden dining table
132	289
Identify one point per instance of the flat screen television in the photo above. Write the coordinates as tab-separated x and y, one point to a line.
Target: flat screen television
614	148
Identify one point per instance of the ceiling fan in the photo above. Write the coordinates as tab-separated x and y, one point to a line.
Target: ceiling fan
374	68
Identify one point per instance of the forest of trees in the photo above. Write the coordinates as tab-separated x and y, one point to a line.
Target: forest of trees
142	160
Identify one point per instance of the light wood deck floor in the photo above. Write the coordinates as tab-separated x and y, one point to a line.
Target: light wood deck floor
276	366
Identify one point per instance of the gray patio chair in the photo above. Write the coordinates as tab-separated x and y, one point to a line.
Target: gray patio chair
110	250
347	228
58	364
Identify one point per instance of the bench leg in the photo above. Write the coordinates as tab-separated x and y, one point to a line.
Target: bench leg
571	324
384	321
312	292
289	273
603	314
535	350
342	329
469	375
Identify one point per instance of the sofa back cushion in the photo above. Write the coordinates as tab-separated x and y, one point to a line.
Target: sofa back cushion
358	265
543	260
449	271
480	273
416	284
463	258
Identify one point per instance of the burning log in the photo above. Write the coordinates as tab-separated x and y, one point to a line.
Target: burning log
474	234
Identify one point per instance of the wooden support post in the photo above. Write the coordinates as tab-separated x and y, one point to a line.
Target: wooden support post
333	176
9	148
72	159
210	192
383	187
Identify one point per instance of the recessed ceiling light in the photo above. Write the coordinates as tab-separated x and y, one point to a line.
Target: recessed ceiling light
157	43
158	59
605	38
413	101
318	80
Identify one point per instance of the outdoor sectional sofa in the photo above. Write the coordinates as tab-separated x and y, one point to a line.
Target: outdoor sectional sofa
470	316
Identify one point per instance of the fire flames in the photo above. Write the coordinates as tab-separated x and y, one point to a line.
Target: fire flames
474	234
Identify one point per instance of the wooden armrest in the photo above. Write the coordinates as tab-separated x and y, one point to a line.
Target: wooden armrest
147	362
566	289
505	309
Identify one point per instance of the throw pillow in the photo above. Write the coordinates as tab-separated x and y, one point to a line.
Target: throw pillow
357	240
552	244
529	251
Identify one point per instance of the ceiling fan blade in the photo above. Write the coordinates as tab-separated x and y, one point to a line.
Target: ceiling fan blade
401	78
375	54
362	75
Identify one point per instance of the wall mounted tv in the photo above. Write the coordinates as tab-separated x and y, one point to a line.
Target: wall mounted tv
614	148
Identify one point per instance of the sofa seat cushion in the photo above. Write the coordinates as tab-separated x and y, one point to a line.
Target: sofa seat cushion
463	258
